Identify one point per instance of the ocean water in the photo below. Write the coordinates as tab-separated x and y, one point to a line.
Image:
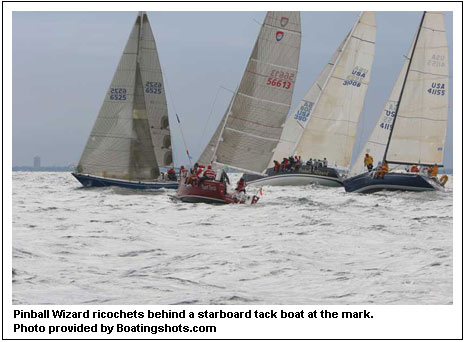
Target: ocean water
298	245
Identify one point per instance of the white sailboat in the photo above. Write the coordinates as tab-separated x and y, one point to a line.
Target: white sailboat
250	129
131	138
412	127
324	124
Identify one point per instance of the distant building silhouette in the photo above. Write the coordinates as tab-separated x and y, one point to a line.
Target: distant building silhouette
37	162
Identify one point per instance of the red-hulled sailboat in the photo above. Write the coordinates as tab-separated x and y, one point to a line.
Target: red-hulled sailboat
211	191
251	127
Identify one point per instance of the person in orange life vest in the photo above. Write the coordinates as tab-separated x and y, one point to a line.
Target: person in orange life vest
382	171
207	174
277	165
433	171
414	168
172	174
241	185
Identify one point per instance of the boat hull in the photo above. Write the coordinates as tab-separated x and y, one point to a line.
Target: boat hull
94	181
305	176
366	183
210	191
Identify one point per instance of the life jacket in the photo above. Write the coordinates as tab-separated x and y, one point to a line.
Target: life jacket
171	171
199	172
209	173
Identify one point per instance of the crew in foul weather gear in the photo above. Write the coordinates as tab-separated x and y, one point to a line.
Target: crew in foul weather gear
433	171
382	171
414	168
368	161
172	174
241	185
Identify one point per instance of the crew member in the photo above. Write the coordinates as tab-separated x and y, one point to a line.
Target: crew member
325	162
414	168
172	174
240	187
382	171
368	161
207	174
433	171
277	166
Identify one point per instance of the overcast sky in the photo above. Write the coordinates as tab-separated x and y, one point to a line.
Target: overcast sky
63	63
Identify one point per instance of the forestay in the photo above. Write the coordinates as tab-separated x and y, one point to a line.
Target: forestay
419	130
297	121
376	144
332	127
133	116
253	124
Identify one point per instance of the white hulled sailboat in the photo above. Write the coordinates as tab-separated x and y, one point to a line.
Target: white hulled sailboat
324	124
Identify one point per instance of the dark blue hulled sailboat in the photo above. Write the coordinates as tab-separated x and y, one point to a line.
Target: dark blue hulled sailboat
415	117
368	183
131	138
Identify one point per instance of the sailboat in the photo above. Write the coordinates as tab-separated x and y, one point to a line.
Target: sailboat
131	138
412	127
324	124
250	129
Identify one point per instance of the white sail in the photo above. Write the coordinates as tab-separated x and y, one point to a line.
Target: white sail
207	155
155	98
419	130
121	144
297	121
253	124
331	130
376	143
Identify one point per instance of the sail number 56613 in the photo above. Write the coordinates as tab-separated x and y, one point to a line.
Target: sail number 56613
278	83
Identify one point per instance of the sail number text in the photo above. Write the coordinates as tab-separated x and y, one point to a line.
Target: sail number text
280	79
437	61
278	83
389	115
437	89
304	111
356	78
153	87
118	94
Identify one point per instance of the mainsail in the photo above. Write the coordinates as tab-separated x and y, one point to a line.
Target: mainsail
331	130
251	127
297	121
419	128
376	144
130	137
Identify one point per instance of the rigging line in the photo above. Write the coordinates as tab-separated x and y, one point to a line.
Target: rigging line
209	116
179	121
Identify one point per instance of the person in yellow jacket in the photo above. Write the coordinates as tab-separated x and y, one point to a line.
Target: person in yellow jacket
368	161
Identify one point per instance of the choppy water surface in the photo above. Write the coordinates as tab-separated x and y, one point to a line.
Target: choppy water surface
299	245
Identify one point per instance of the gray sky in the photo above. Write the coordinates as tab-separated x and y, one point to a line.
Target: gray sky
63	63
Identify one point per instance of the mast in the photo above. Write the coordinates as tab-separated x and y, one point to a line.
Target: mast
329	76
403	86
